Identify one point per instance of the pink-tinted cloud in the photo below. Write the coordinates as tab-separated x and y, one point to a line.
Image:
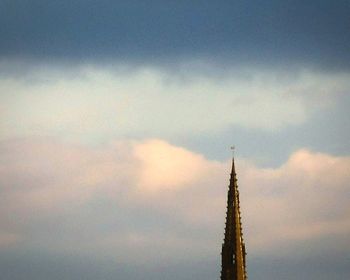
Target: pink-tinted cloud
166	167
7	239
127	194
304	199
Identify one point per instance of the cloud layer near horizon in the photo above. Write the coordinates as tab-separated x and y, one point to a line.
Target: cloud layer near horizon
116	200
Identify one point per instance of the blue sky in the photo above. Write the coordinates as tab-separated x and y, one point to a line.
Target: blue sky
115	128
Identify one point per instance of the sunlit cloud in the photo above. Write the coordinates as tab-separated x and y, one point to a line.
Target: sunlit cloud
167	167
304	199
126	195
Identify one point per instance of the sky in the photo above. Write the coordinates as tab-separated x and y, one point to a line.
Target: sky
116	122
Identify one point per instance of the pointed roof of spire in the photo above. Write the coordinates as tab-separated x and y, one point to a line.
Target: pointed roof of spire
233	249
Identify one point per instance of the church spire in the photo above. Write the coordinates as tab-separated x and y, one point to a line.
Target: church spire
233	263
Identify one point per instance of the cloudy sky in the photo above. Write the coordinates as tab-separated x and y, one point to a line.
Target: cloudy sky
116	121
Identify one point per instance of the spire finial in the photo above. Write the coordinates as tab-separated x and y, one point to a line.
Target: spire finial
233	150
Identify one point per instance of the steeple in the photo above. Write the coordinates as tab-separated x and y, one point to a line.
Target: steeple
233	255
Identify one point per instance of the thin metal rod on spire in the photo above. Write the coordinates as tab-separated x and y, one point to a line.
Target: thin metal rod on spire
233	150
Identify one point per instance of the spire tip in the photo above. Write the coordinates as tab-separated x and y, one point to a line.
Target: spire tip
233	150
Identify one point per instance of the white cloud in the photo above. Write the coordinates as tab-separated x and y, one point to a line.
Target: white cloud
98	103
116	199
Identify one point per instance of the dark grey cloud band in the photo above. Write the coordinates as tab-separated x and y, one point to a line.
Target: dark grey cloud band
312	32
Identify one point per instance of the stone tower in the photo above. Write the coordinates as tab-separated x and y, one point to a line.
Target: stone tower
233	255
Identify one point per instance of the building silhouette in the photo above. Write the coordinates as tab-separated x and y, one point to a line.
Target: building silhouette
233	254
